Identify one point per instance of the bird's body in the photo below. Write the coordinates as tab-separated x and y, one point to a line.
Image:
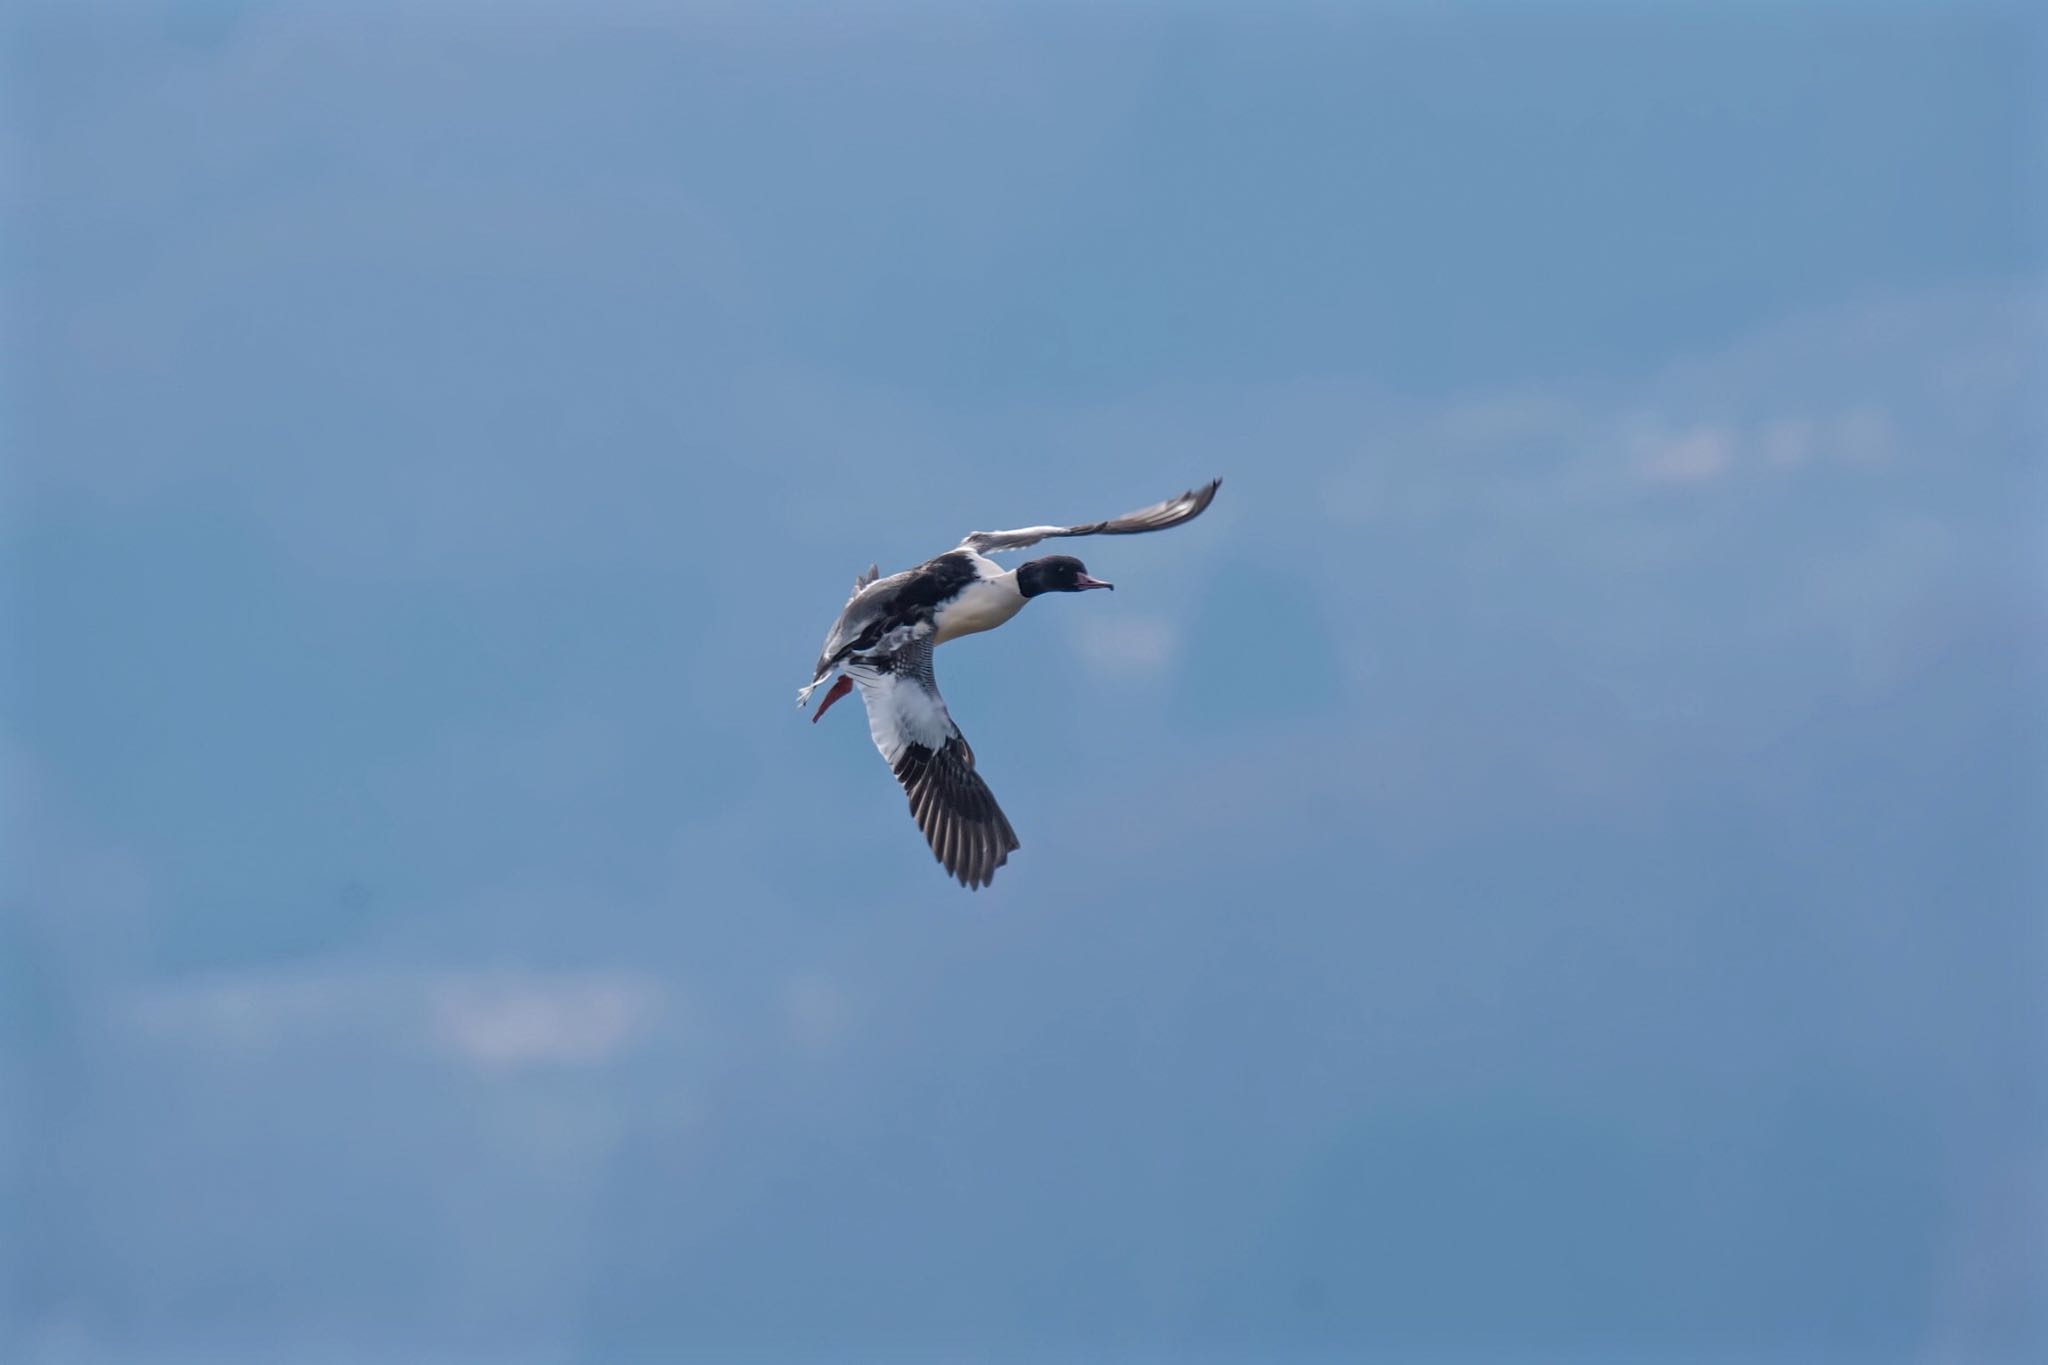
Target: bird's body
956	593
990	599
883	643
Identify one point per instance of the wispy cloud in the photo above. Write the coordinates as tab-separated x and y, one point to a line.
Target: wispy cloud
1915	377
1696	455
1127	647
1866	435
573	1019
490	1020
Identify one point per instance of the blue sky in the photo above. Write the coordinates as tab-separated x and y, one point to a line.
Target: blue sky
1547	869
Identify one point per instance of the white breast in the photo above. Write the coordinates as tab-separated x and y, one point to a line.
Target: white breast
982	605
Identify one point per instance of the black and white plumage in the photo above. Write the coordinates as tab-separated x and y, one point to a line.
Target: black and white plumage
1158	517
883	642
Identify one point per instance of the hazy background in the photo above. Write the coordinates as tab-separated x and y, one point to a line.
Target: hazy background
1550	868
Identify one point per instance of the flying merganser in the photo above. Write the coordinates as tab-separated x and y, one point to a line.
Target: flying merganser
883	642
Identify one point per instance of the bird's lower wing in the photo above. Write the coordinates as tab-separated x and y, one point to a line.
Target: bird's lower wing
967	830
1158	517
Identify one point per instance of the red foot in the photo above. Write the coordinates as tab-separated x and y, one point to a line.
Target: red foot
839	689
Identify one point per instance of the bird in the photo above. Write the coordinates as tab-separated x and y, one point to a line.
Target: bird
882	643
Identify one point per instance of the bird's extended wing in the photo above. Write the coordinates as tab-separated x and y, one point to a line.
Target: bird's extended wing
967	831
1158	517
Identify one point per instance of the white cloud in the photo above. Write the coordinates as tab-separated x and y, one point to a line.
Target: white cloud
490	1020
567	1019
260	1011
1695	455
1849	390
1127	647
1864	435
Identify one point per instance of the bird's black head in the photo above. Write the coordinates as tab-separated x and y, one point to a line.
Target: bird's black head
1056	573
